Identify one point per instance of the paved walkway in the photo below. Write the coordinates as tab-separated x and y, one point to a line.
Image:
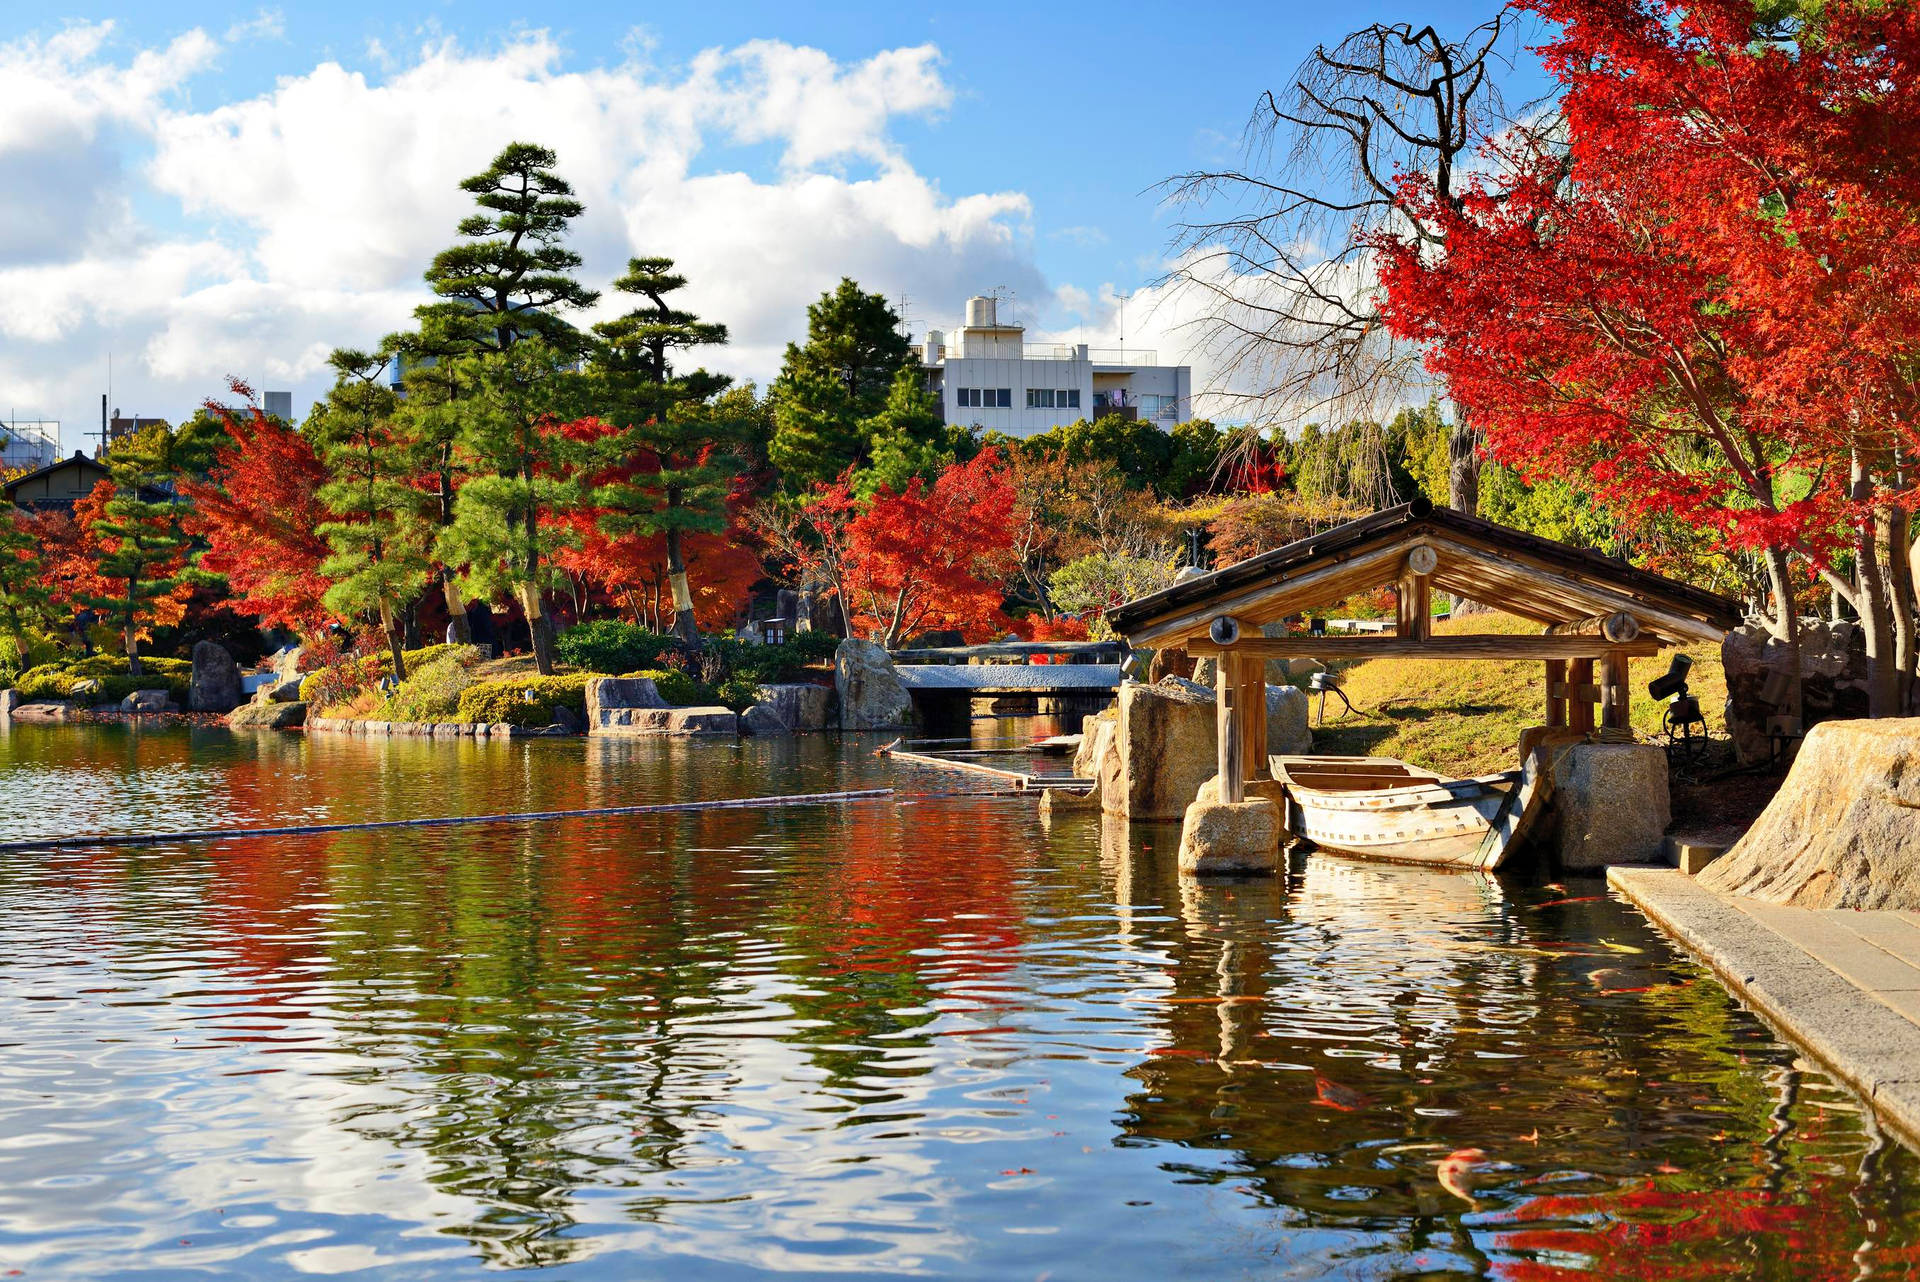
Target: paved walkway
1844	985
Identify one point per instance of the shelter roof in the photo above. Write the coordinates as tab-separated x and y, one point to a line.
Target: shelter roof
1523	574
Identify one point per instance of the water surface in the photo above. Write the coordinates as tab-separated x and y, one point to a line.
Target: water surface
931	1036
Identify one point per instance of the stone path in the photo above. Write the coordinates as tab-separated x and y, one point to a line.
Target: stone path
1844	985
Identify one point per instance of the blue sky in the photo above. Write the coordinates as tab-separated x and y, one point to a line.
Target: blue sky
1056	123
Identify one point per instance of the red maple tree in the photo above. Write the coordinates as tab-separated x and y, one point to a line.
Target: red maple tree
931	557
258	510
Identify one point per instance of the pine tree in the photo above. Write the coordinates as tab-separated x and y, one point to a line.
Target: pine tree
26	604
379	562
907	438
513	274
428	420
142	545
828	389
507	526
674	466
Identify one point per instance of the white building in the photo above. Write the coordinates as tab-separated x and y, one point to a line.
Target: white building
991	377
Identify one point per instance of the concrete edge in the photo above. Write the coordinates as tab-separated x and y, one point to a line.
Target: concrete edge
1854	1036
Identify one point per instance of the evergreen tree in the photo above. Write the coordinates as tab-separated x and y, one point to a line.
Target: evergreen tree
142	544
675	447
506	528
379	562
829	388
908	438
26	604
428	420
512	275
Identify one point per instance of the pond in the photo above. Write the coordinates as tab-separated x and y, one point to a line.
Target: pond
928	1036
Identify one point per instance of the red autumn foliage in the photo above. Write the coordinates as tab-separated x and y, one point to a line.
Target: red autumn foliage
932	557
257	511
73	569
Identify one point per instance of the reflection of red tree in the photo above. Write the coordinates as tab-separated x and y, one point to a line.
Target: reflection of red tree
255	890
1653	1231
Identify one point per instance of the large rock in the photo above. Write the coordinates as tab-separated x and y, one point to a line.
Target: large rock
1833	672
9	700
1164	750
763	720
1230	837
871	694
801	707
652	722
148	701
47	711
1844	829
1610	804
1288	734
263	714
611	699
216	680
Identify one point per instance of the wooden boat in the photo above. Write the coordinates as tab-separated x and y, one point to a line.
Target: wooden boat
1380	808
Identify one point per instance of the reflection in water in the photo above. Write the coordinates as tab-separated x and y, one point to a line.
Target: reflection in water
927	1037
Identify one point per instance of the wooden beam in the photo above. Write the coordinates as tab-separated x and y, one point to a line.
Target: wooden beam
1616	692
1580	709
1494	646
1250	681
1226	709
1618	626
1276	598
1576	594
1556	692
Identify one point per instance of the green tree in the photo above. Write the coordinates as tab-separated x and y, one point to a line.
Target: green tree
1197	446
506	527
428	423
1143	453
379	555
672	450
908	438
142	544
513	274
25	601
831	387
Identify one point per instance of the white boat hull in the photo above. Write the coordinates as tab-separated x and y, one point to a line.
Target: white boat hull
1379	808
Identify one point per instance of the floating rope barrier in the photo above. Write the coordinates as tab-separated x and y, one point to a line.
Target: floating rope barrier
525	816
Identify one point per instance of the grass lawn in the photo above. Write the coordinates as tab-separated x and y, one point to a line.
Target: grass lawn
1465	718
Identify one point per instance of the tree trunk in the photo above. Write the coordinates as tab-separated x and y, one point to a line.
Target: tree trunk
456	608
1785	626
684	625
1463	470
1899	560
539	627
132	632
1876	611
390	624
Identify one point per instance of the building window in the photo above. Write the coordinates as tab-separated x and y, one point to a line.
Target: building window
968	397
1005	398
1034	401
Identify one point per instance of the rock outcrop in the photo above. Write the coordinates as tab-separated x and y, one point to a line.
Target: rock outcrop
46	712
652	722
216	680
1610	804
872	696
801	707
1844	829
267	714
762	720
1163	750
1288	734
1833	671
613	701
148	701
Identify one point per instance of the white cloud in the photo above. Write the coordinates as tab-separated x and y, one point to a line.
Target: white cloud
250	237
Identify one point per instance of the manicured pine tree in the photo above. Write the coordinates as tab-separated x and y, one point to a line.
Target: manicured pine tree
142	545
507	518
512	275
428	419
831	386
907	438
673	445
379	562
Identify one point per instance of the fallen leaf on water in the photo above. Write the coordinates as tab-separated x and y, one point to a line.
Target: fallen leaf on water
1456	1172
1331	1094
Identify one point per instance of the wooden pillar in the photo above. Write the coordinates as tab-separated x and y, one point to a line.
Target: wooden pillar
1250	683
1227	734
1422	608
1556	692
1616	692
1579	694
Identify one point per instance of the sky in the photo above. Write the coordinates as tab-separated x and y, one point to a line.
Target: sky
199	191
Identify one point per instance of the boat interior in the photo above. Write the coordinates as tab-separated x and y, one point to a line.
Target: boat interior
1350	774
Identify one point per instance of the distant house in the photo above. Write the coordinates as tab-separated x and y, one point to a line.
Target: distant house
57	486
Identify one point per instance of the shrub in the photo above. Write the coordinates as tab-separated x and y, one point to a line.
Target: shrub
676	687
357	670
57	680
610	645
494	701
432	692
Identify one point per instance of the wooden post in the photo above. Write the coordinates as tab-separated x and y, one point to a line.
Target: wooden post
1227	734
1579	690
1250	685
1403	607
1616	692
1556	692
1422	608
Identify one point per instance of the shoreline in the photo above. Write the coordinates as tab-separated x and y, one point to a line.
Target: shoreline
1845	1021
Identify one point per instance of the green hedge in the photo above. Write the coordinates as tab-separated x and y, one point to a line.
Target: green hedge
610	645
495	701
432	689
375	666
676	687
56	680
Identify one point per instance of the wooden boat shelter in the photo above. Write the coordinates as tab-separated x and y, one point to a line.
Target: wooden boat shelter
1597	614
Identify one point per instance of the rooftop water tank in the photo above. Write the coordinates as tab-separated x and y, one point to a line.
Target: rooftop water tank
981	313
935	339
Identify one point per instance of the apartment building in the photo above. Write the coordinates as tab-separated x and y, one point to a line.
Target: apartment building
990	376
